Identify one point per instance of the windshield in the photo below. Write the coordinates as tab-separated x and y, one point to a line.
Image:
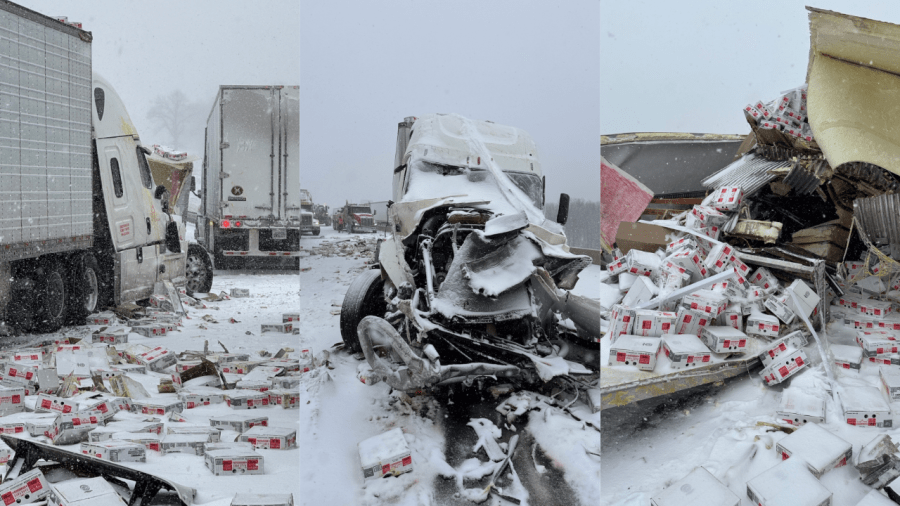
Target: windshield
306	207
360	210
429	180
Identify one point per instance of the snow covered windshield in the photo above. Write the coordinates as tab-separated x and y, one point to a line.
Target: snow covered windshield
431	180
360	210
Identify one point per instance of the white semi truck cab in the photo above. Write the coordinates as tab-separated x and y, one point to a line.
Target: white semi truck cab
83	226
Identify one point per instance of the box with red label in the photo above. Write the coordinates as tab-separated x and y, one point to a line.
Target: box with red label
108	433
890	322
866	407
51	404
157	407
385	454
872	284
877	342
111	335
234	462
281	328
641	352
651	323
742	272
786	365
617	266
11	427
687	242
238	367
157	359
797	408
104	318
764	279
777	306
807	298
890	380
641	263
708	301
675	280
724	339
691	260
851	300
685	351
114	450
28	488
254	384
847	357
796	339
285	398
760	324
70	428
875	308
154	330
788	483
691	321
820	449
184	365
191	444
38	423
290	317
621	321
641	291
238	423
193	399
17	372
246	399
148	439
718	258
225	358
864	322
728	198
270	438
732	317
708	216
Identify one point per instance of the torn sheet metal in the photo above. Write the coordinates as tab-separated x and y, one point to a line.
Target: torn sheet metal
854	79
878	218
750	173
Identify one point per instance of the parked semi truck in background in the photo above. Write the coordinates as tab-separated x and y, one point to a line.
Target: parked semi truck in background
354	218
309	224
82	225
250	200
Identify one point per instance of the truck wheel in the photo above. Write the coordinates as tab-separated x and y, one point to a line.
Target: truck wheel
352	228
364	297
316	231
198	270
50	297
83	288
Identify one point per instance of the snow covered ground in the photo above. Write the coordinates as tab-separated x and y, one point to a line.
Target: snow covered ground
649	446
272	293
337	411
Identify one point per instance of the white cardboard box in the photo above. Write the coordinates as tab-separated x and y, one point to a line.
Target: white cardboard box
691	321
710	302
877	342
786	365
234	462
866	407
764	279
795	339
761	324
890	380
651	323
271	438
699	488
238	423
685	350
641	352
777	306
385	453
798	408
621	321
724	339
641	291
820	449
788	483
115	451
806	296
26	488
191	444
84	492
847	357
246	399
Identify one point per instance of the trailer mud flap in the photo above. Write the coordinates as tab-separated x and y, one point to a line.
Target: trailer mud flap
146	486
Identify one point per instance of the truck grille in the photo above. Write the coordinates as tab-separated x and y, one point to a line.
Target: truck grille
367	222
306	220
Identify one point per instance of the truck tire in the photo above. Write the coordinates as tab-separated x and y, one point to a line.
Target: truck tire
316	231
198	270
84	288
364	297
50	297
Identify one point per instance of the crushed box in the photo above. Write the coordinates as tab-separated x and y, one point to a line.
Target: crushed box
384	454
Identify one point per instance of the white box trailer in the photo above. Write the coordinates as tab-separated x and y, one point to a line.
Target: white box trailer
82	225
250	203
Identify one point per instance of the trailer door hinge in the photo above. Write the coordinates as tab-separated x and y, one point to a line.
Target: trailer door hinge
140	255
224	145
223	175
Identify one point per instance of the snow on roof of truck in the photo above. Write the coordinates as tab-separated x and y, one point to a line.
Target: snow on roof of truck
441	138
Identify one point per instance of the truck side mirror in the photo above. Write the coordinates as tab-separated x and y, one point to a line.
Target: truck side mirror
193	184
374	212
563	215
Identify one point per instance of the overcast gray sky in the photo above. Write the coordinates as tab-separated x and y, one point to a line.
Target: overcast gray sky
145	49
692	67
366	65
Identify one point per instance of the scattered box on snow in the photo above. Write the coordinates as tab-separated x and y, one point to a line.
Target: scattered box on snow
724	339
786	365
84	492
708	301
798	408
764	279
271	438
691	321
212	434
238	293
103	318
807	298
236	461
153	330
115	451
148	439
111	335
641	291
47	403
290	317
699	488
789	482
238	423
229	445
685	350
621	321
385	453
26	488
70	428
761	324
877	342
641	352
281	328
847	357
796	339
875	498
865	407
246	399
890	380
194	399
285	398
263	500
820	449
184	443
651	323
778	307
157	407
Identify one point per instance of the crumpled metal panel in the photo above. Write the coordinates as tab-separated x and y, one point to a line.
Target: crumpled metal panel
802	180
750	173
879	217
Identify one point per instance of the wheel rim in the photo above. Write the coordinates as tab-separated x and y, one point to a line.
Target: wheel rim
56	295
90	279
195	272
